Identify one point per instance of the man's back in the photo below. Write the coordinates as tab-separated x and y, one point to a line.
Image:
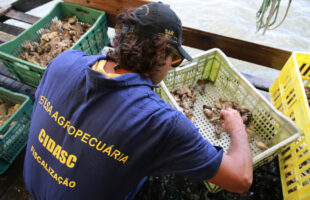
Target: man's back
76	132
93	137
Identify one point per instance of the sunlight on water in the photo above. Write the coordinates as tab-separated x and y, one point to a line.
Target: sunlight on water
237	19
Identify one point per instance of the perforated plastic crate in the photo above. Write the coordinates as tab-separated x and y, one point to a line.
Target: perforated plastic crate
91	42
271	127
288	95
14	132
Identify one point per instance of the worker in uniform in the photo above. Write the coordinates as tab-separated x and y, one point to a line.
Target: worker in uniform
98	129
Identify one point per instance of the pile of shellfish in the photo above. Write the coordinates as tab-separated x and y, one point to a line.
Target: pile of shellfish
186	97
6	110
213	115
60	36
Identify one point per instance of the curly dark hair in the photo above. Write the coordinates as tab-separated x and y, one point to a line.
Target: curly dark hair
137	53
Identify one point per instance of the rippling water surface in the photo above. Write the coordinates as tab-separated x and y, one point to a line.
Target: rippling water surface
237	19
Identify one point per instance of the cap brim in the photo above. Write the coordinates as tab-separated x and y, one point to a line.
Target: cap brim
184	53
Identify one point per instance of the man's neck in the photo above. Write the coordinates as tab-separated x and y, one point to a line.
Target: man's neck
109	68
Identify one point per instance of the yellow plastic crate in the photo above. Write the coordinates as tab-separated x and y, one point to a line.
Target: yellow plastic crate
288	96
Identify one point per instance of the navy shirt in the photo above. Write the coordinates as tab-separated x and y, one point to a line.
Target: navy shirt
95	138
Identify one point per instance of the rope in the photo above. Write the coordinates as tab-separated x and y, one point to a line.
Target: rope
273	6
288	7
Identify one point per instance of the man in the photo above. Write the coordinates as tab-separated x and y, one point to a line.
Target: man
98	129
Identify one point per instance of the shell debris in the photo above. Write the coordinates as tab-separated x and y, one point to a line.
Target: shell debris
213	115
60	36
6	110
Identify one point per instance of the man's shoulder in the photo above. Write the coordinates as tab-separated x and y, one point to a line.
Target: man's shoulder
66	58
73	53
149	105
152	100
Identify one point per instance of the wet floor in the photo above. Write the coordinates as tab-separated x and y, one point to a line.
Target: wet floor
266	186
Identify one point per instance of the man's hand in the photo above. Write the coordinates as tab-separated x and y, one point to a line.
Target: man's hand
233	122
235	173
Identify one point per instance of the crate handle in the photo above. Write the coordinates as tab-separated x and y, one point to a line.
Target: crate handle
8	127
186	66
21	66
81	10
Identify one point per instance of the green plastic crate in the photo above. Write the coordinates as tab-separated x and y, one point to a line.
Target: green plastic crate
270	126
13	139
91	42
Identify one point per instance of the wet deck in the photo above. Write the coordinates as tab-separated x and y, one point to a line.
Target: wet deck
11	182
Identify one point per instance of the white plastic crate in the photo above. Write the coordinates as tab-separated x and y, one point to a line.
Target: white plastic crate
271	127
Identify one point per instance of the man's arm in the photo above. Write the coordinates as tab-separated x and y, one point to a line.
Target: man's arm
235	173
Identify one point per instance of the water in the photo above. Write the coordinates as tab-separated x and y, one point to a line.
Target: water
236	19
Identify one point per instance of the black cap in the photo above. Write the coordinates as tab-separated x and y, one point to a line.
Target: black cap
158	19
